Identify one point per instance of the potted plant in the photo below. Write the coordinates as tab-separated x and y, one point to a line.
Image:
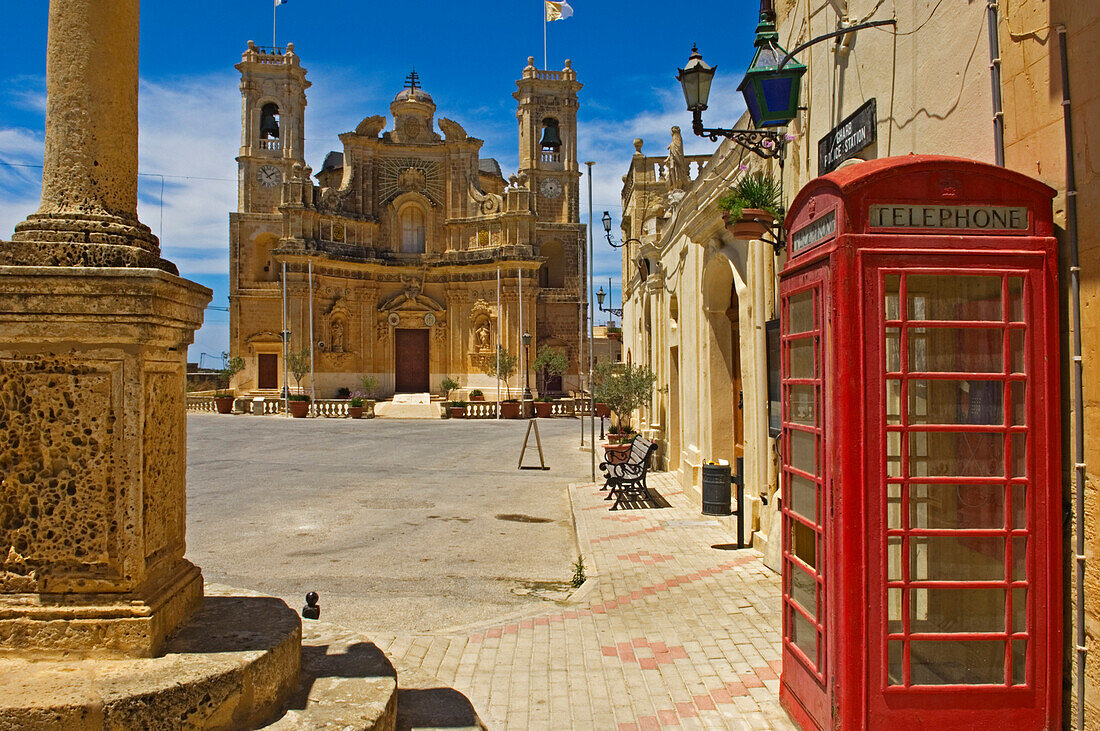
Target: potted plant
509	408
752	206
503	366
477	395
231	367
368	388
550	362
298	364
298	403
448	384
355	406
544	407
623	387
457	409
614	332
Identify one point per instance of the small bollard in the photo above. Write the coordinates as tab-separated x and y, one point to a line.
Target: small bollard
311	610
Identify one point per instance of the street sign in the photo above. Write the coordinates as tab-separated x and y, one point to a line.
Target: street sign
856	132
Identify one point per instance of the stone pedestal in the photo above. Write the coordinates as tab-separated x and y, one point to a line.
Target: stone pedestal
92	423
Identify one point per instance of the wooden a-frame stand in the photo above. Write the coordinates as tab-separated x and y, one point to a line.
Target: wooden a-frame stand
532	424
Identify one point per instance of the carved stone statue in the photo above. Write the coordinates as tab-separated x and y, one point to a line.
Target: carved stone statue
337	337
482	336
679	177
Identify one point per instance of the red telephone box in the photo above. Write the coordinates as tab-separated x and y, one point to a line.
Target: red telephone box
920	450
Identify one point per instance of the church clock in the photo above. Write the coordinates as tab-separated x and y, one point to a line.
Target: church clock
551	187
268	176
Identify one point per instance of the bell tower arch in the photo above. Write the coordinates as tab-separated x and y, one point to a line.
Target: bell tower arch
273	102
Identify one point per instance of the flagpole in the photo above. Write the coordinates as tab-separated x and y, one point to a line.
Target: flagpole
274	18
544	65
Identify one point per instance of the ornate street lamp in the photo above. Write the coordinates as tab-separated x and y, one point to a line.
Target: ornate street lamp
600	294
771	85
526	338
607	231
771	92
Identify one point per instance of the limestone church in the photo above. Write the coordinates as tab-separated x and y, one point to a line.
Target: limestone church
387	261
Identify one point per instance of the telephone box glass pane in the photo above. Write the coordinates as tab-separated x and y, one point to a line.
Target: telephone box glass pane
802	358
976	662
956	454
938	297
803	635
803	454
800	312
803	407
963	558
941	506
955	402
956	350
803	588
803	498
949	610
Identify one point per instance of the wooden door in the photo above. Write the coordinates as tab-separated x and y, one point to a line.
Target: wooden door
267	366
411	374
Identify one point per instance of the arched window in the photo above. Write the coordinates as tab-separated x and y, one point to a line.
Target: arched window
552	273
551	135
269	121
412	230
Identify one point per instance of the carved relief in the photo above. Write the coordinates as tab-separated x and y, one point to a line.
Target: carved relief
59	468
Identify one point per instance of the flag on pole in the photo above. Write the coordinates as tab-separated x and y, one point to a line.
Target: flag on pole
556	10
280	2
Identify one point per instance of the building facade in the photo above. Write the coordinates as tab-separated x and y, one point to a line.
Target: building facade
409	258
696	300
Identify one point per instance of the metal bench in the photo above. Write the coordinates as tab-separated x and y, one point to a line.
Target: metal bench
625	481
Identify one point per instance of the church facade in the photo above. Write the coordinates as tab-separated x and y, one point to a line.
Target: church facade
407	257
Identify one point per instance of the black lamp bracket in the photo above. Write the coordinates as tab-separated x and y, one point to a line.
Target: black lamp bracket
842	32
763	142
624	243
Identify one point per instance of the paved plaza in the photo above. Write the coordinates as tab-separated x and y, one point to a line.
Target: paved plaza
672	628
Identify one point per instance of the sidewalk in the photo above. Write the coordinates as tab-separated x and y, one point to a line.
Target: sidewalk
666	632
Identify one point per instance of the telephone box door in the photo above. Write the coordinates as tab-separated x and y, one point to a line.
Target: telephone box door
804	507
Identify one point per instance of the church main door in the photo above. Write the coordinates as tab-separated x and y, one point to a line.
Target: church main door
411	373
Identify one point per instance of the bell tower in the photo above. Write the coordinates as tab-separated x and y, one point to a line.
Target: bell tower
273	103
547	115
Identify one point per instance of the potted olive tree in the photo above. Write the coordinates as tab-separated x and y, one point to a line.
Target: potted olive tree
298	364
623	387
550	362
503	366
752	206
231	367
449	384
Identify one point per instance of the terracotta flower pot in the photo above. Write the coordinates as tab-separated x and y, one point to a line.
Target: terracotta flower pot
478	398
603	410
224	404
298	409
754	223
458	412
615	453
355	412
543	409
509	409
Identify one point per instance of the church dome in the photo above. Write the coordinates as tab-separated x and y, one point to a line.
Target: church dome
416	94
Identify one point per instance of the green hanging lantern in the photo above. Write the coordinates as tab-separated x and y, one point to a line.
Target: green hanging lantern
771	94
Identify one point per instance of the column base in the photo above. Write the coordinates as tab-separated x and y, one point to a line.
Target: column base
84	240
100	625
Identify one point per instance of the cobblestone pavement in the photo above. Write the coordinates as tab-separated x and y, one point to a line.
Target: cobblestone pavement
667	632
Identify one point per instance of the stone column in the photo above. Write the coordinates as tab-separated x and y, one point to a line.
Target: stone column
93	341
88	214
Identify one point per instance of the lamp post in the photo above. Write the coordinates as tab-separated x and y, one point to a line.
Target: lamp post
526	337
771	86
600	294
607	232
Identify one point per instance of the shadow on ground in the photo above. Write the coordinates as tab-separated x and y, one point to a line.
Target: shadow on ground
434	708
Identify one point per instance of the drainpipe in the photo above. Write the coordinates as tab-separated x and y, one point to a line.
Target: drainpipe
1078	387
995	80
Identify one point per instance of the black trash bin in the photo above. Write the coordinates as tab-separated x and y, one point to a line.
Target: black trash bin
716	489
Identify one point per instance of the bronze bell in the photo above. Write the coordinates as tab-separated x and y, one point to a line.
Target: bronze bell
551	140
269	125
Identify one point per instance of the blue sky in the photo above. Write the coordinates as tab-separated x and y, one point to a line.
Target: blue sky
468	56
